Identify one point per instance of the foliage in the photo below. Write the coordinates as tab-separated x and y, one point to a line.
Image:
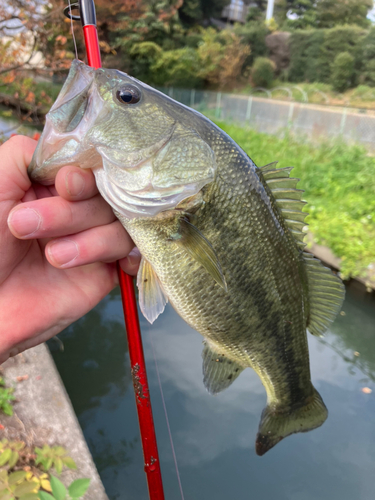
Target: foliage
197	11
263	72
178	68
55	456
21	480
301	14
312	52
331	13
305	48
305	14
76	490
222	56
339	185
31	25
342	71
341	39
6	398
10	452
253	34
368	58
20	485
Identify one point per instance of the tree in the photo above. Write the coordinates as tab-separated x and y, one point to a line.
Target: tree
29	26
222	56
200	11
295	14
302	14
342	72
330	13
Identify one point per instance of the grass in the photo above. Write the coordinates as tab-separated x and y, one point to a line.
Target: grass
339	184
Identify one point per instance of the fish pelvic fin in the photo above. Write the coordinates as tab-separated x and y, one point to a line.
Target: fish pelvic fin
219	372
278	423
152	299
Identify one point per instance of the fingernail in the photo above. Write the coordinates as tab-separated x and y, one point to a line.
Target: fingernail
75	183
63	252
134	257
24	221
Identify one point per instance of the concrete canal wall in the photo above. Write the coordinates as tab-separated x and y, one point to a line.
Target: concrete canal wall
43	414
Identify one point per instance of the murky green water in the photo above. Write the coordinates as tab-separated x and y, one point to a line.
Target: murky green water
214	436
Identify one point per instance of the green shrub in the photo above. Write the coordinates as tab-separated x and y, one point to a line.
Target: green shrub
368	75
305	47
368	58
263	72
342	72
312	52
177	68
341	39
253	34
6	398
222	57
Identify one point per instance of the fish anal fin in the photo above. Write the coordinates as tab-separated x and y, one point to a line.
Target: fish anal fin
326	295
197	245
219	372
277	423
152	299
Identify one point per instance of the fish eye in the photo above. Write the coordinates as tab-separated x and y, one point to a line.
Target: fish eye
129	94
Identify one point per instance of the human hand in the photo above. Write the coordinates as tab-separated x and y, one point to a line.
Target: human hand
58	249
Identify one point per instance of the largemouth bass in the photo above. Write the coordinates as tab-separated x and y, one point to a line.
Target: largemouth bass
221	239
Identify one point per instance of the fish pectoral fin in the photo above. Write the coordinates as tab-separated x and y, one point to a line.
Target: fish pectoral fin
152	299
219	372
193	241
278	423
326	295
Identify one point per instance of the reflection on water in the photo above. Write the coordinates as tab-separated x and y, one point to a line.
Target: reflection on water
214	435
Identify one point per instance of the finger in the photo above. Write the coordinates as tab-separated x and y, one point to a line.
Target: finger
130	264
100	244
73	183
15	152
42	191
54	217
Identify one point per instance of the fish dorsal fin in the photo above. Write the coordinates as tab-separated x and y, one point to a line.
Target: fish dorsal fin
326	295
219	372
288	199
193	241
152	299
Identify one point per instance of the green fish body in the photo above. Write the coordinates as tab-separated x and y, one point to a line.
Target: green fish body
221	239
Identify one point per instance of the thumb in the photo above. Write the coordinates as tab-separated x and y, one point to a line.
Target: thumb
15	156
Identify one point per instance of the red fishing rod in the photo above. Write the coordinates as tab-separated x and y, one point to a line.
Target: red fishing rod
137	361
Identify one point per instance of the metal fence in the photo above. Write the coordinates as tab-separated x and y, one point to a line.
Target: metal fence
271	116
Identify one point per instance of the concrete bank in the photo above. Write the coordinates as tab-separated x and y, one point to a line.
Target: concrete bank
43	414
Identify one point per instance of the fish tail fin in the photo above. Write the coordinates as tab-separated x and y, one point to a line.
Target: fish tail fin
277	423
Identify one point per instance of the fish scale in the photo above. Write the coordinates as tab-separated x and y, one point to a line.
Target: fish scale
220	238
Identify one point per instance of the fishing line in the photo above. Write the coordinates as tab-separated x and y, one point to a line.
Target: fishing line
167	420
72	30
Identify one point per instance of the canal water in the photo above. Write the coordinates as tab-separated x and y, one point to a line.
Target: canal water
214	435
